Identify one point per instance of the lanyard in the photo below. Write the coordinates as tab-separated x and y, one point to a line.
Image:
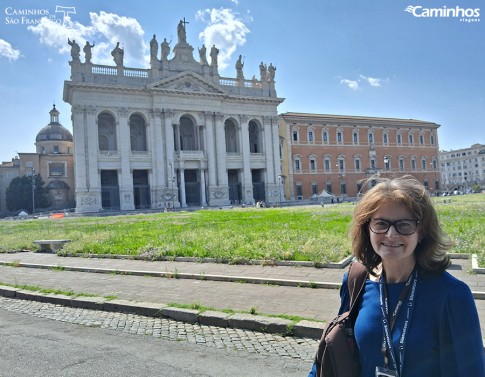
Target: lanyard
408	292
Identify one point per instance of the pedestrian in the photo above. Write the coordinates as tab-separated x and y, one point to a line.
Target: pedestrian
414	318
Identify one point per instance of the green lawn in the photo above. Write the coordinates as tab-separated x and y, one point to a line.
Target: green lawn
308	233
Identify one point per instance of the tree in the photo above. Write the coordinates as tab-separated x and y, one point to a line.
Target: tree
19	194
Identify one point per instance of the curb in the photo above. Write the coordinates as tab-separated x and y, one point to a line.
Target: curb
185	275
261	323
259	262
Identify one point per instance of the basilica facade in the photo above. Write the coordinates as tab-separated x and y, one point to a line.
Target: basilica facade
174	135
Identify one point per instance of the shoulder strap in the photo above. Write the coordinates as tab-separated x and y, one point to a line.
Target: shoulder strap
356	282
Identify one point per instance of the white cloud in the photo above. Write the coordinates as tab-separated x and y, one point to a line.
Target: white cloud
224	30
105	30
6	50
375	82
352	84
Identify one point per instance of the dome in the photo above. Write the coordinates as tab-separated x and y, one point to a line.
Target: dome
54	131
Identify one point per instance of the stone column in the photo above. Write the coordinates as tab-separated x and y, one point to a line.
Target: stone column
210	147
269	151
168	180
125	180
183	200
221	194
157	149
221	151
169	144
203	199
247	183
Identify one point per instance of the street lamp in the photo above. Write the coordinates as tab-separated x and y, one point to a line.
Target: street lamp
33	191
386	163
280	181
173	180
339	178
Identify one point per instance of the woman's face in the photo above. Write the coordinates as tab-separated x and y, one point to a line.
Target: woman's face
390	245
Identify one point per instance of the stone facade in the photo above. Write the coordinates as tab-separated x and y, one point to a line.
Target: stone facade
342	154
174	135
462	169
53	160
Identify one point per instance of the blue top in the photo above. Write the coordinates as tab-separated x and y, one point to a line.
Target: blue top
444	338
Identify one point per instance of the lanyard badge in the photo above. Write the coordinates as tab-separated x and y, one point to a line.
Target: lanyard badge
408	293
384	372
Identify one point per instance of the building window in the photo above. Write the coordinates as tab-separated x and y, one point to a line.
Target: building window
313	165
29	164
385	139
297	165
401	164
421	140
295	136
357	165
327	165
299	191
398	139
411	139
329	187
355	138
432	139
371	138
56	169
413	164
423	164
325	137
56	149
314	189
339	137
310	136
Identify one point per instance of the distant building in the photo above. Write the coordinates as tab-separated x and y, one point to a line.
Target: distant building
8	171
176	134
53	160
463	168
339	153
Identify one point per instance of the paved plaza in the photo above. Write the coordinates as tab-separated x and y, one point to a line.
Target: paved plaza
307	292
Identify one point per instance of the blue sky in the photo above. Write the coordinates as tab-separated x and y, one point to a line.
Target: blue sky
369	58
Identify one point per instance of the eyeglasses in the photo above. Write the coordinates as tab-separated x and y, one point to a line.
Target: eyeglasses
404	227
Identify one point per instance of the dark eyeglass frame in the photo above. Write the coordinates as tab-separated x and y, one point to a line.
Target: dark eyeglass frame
395	224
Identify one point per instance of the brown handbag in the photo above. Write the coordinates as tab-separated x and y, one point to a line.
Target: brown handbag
337	354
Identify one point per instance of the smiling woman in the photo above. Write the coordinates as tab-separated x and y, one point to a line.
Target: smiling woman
396	235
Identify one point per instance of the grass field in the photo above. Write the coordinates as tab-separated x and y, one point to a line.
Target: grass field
307	233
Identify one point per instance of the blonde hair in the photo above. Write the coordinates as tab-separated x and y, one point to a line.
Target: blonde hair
431	251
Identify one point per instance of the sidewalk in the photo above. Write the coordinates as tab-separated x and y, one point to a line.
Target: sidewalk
307	292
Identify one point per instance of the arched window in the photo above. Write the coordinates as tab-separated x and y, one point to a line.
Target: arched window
106	132
138	136
232	145
188	138
255	142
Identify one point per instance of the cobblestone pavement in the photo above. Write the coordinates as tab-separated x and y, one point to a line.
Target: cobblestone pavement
270	345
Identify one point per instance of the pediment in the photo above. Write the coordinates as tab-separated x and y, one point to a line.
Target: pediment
187	82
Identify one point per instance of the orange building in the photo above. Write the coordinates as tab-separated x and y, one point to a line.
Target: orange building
341	154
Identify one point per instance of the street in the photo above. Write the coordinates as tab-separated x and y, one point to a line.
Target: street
41	339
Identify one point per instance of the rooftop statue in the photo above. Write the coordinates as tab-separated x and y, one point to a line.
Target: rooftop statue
87	51
181	32
239	68
165	49
214	53
263	71
153	47
271	72
118	54
75	49
202	54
